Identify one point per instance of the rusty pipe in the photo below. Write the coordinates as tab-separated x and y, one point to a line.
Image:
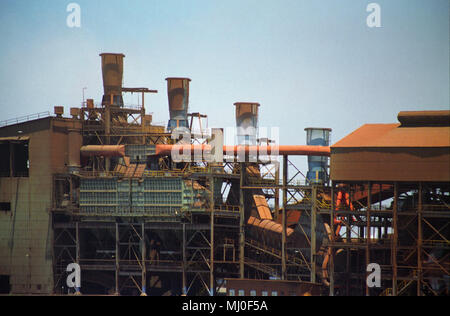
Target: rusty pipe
282	150
103	150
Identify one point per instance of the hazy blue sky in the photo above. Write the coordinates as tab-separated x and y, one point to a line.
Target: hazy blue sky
309	63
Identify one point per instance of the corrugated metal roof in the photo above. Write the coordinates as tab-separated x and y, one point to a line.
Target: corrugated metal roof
262	207
392	135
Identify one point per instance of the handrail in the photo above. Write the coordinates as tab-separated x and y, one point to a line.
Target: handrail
25	118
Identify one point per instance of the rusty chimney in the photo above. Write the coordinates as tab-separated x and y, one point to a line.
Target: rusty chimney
246	122
112	71
178	93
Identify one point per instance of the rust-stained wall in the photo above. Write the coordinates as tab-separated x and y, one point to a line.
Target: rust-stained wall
390	164
25	232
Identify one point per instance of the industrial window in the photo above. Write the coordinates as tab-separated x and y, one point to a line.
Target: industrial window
14	159
231	292
252	293
241	293
265	293
274	293
5	207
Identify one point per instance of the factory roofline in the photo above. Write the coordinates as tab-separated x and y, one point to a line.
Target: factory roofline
391	135
421	134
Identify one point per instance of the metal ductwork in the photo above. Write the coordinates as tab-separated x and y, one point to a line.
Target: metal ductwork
178	94
112	71
246	122
424	118
318	165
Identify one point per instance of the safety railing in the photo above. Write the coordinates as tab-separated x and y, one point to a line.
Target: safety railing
24	118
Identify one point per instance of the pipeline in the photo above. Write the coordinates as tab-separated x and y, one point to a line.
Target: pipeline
282	150
165	150
103	150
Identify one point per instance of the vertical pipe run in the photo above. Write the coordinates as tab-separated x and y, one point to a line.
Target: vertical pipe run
144	255
277	190
331	260
419	240
368	225
184	290
107	134
395	240
117	292
77	239
283	220
211	203
348	252
241	222
313	232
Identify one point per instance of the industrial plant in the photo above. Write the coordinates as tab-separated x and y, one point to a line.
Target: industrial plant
170	209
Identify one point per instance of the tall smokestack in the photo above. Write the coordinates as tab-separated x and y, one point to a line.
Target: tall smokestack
178	93
246	122
317	165
112	71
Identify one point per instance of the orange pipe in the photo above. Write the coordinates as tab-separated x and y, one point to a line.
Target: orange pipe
282	150
103	150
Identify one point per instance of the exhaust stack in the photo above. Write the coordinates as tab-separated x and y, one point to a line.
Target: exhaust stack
178	94
246	122
318	165
112	71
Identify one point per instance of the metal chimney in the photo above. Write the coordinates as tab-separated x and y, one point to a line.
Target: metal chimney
317	165
246	122
178	93
112	71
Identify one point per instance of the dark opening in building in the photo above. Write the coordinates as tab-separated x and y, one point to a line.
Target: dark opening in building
5	167
5	206
14	159
5	286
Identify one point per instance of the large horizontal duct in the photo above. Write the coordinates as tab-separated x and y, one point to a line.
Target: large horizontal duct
282	150
103	150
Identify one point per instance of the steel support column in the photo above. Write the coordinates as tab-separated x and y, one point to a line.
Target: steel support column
313	232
